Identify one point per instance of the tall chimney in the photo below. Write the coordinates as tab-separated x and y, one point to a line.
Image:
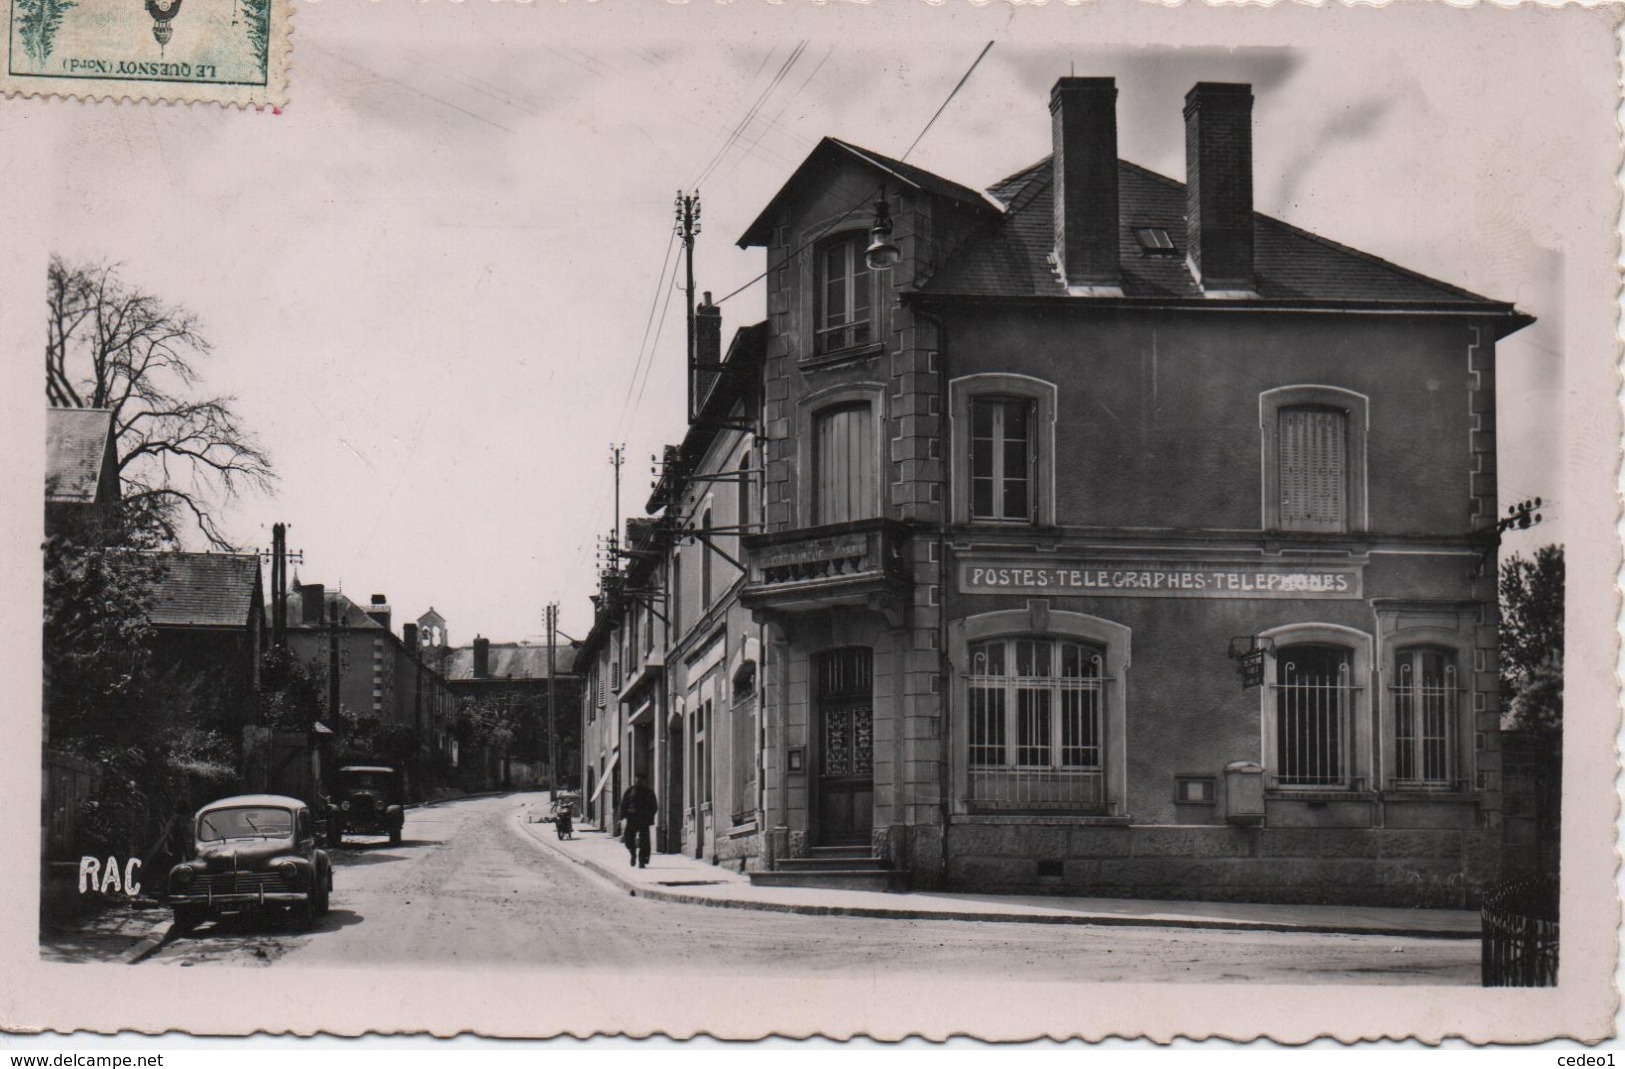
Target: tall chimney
409	638
1219	185
482	657
707	349
1083	124
380	613
310	604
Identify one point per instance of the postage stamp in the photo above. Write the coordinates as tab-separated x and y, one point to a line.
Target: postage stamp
232	52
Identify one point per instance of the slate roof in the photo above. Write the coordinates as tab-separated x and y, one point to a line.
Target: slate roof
1009	257
507	659
823	158
350	613
77	441
205	590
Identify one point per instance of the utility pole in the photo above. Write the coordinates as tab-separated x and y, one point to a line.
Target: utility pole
617	456
552	694
333	666
688	226
279	592
279	558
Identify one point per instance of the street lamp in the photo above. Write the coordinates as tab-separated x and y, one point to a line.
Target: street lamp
881	255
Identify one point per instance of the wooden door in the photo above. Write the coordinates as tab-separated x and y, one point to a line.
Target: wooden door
846	762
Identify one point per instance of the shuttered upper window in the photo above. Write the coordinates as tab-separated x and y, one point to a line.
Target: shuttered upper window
846	469
1314	459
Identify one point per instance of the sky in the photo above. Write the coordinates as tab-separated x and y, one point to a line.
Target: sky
440	283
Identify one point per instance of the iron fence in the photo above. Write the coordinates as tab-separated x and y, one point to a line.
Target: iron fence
1519	937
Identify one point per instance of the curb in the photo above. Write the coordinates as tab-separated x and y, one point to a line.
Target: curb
149	944
904	913
465	797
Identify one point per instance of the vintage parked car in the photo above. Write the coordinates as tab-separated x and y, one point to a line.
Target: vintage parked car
252	852
367	801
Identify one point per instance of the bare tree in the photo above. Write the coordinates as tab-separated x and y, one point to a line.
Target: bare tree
111	346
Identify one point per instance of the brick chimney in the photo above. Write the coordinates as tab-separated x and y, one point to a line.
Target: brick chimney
482	657
1083	124
311	596
380	613
1219	186
707	348
409	638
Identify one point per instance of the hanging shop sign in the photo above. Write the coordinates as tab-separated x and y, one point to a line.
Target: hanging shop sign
1163	579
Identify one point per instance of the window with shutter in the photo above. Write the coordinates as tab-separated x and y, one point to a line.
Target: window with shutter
846	476
1313	459
1314	446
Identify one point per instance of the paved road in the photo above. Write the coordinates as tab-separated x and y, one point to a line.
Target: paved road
470	886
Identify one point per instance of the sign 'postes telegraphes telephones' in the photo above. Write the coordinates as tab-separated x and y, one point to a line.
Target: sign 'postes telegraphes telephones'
1163	579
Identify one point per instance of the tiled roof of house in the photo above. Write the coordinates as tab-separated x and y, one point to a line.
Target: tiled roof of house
1010	256
507	660
205	589
76	443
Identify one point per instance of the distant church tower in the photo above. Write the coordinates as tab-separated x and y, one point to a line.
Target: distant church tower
432	631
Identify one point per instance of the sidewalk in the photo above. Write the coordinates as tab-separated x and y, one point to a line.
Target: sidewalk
674	878
122	932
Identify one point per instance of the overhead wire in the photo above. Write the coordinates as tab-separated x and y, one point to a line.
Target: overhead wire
751	113
645	350
772	123
955	92
844	215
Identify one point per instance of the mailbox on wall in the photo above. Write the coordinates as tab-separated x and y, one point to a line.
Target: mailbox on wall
1244	792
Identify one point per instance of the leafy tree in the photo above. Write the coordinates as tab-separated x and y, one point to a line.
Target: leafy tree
109	345
1532	640
99	579
290	696
156	732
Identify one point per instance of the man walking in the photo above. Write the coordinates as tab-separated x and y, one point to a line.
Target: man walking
638	808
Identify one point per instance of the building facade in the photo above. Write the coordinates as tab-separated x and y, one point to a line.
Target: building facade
1115	539
508	682
673	680
388	679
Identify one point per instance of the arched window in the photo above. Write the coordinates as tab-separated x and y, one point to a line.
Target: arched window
846	468
1035	729
845	295
1314	458
1002	459
1313	449
1314	691
1426	692
1043	720
1003	462
1317	714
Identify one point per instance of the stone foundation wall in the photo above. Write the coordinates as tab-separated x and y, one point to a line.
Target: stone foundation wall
741	853
1444	868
